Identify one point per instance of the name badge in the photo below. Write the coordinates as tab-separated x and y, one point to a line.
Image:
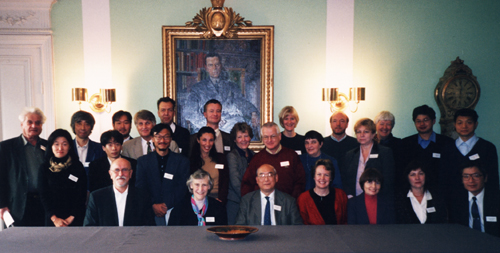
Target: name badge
491	219
227	148
168	176
180	150
285	164
436	155
219	166
373	156
474	157
73	178
86	164
7	218
298	152
42	147
210	219
431	209
277	208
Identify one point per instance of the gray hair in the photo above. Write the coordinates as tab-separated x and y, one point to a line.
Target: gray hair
385	115
34	110
270	125
200	174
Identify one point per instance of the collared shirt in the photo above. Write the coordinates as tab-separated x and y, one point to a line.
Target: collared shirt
361	169
277	151
127	139
479	202
341	139
466	146
34	157
145	146
109	160
121	201
424	143
172	126
82	152
420	209
263	202
219	145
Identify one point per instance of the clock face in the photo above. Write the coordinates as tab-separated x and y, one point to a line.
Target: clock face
460	92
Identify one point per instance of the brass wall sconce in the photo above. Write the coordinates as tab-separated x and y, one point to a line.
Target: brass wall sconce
98	102
340	101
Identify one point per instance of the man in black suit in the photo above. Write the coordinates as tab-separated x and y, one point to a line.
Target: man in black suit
122	122
120	204
166	111
479	207
111	142
20	159
87	150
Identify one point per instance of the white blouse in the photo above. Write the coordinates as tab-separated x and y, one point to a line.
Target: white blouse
420	209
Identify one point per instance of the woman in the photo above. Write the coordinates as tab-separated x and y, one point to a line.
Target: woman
368	155
63	183
289	118
371	207
385	122
199	209
418	205
238	160
205	157
323	204
313	143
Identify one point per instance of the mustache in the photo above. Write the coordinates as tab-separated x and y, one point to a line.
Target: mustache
121	177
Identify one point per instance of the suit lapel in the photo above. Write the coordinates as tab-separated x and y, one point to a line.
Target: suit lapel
138	147
128	217
114	212
257	208
278	200
21	155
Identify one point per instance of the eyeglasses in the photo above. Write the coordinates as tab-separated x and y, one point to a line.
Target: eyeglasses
265	175
117	171
268	137
164	137
474	176
422	121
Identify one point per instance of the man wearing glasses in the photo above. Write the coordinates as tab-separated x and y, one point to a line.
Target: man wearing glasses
120	204
284	160
163	174
268	206
479	207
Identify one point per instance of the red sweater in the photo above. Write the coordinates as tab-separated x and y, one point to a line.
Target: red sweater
311	215
371	208
291	177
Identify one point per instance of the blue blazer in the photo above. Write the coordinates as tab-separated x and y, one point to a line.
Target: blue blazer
356	210
162	189
94	152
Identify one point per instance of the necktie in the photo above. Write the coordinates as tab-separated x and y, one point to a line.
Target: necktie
267	214
474	210
149	147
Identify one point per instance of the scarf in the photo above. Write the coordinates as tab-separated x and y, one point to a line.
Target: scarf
58	167
201	220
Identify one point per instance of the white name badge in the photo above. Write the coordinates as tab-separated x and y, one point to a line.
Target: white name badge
42	147
277	208
298	152
436	155
210	219
7	218
227	148
474	157
180	150
219	166
285	163
373	155
86	164
491	219
73	178
431	209
168	176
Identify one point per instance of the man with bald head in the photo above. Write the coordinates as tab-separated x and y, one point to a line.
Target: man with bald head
120	204
268	206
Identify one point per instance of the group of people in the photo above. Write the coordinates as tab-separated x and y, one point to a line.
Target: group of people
168	177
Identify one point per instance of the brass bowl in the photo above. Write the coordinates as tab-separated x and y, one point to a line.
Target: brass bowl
232	233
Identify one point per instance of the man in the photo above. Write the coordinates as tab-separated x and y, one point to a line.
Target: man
87	150
237	108
120	204
212	113
339	142
20	159
467	147
426	146
166	111
478	207
144	120
111	142
286	161
163	174
268	206
122	122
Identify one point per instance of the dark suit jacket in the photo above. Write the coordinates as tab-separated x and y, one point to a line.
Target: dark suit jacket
94	152
101	210
183	214
161	189
226	143
356	210
250	212
406	215
459	210
99	173
182	137
14	176
383	163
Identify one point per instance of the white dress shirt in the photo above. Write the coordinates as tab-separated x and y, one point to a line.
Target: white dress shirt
82	152
263	202
420	209
121	201
479	201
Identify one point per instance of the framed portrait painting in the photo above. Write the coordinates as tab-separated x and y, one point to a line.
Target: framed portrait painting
237	72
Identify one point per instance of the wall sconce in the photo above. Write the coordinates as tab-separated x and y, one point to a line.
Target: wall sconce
99	102
339	101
